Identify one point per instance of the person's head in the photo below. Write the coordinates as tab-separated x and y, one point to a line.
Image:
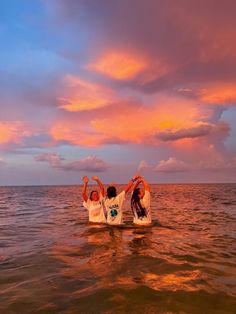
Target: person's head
94	196
111	191
138	194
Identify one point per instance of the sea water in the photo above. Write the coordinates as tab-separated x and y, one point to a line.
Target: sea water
53	261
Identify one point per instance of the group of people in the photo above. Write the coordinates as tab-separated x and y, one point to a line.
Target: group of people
109	208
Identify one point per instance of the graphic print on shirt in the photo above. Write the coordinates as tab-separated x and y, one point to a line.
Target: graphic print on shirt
113	211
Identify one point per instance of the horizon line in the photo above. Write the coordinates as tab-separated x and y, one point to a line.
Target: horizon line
79	184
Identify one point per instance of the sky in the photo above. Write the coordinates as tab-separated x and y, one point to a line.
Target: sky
117	88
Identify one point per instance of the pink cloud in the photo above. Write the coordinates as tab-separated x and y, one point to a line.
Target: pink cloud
165	119
13	132
193	45
198	130
218	162
155	77
171	165
222	93
213	162
143	165
52	158
82	95
89	163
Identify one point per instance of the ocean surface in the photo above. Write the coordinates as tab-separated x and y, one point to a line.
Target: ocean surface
53	261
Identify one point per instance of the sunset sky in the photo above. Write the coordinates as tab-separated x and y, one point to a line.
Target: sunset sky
114	88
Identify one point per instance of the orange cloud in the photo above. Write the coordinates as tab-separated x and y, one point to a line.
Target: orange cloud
126	122
119	65
12	132
83	95
195	130
75	133
223	94
154	124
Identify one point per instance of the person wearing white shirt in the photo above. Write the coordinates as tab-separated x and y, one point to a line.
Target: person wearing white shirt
114	203
140	203
95	203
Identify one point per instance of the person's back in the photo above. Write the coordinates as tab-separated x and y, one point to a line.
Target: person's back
114	206
114	203
140	203
142	216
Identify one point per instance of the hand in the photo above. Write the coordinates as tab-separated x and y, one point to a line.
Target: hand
139	180
95	178
85	179
136	177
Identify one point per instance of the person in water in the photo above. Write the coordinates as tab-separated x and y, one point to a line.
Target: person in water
114	203
140	203
95	203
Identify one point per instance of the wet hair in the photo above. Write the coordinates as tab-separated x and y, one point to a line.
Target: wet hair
92	194
111	192
136	204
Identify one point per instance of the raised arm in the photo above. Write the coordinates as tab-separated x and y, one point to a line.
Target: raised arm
145	184
129	185
84	189
137	183
100	184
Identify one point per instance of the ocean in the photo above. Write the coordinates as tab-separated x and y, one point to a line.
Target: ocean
53	261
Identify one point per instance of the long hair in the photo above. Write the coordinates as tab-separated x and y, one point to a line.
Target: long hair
111	192
136	204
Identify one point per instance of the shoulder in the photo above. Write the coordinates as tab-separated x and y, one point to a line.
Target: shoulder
87	203
121	195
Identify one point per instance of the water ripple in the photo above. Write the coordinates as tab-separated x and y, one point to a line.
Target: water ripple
53	261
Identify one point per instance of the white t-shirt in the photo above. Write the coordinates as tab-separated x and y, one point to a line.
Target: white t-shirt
114	209
95	209
145	202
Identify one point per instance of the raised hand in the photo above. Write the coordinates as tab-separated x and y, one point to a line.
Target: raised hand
140	179
85	179
95	178
137	177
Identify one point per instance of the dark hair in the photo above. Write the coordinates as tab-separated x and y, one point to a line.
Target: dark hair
111	192
92	194
136	205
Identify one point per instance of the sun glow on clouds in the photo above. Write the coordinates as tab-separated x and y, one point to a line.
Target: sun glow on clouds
119	65
164	81
12	132
151	125
223	94
82	95
126	122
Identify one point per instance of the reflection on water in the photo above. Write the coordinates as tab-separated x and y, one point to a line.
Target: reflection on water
53	261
